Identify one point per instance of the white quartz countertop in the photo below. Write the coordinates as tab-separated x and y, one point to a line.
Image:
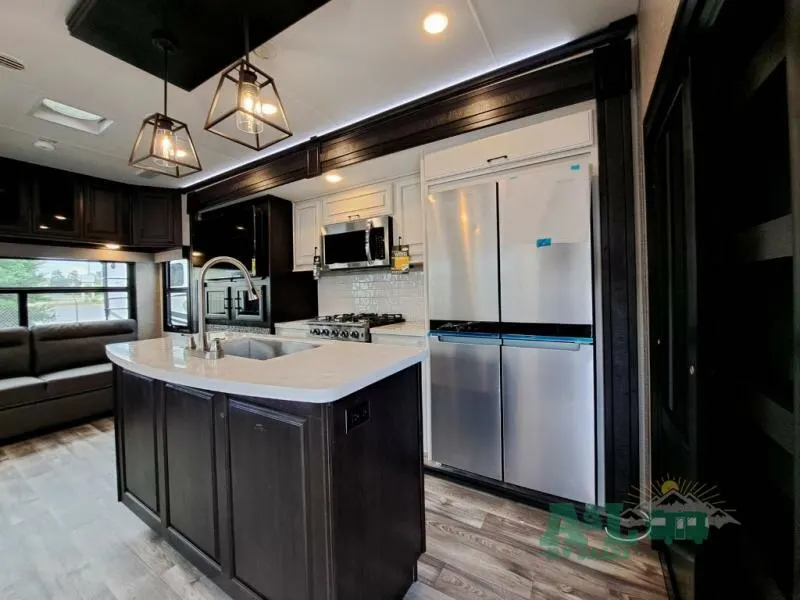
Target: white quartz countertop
411	328
320	375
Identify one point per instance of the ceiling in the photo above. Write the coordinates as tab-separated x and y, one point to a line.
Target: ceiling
348	60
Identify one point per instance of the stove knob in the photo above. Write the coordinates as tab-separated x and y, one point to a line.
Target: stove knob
354	335
325	332
334	333
315	331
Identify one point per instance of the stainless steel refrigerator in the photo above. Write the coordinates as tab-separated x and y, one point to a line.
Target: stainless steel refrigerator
512	339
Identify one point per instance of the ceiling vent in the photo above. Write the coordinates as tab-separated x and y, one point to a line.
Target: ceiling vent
70	116
9	62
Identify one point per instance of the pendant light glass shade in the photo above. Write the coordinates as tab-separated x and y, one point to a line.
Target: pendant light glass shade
165	146
247	109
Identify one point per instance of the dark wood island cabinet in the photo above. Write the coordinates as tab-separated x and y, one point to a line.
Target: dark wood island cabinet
279	499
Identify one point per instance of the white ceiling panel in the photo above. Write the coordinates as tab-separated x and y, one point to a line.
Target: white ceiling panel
344	62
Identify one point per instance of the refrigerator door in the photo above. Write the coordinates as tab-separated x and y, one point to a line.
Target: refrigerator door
545	244
549	417
461	237
465	404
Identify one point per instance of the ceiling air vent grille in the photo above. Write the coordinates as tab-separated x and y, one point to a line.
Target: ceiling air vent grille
9	62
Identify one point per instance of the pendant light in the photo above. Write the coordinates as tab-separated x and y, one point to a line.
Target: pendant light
164	144
246	108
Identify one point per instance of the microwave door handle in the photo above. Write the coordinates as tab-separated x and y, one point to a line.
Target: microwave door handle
367	245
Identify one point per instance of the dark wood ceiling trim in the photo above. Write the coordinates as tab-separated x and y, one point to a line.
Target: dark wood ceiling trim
524	88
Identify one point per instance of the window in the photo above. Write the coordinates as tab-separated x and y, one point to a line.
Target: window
39	291
177	305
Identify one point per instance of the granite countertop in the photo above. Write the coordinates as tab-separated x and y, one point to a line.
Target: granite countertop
326	373
410	328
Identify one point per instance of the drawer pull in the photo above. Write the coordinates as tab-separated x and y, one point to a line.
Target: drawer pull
503	157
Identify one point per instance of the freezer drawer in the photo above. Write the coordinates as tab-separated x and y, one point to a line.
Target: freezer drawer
549	418
461	238
465	405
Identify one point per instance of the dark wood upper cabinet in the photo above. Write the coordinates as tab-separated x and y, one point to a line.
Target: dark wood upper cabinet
105	212
191	451
56	204
15	214
156	218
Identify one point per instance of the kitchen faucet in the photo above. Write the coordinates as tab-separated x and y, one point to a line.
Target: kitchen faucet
202	347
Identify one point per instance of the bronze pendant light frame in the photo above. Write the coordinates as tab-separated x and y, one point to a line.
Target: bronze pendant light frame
244	71
175	168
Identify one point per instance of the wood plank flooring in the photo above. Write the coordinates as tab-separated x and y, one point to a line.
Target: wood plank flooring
63	536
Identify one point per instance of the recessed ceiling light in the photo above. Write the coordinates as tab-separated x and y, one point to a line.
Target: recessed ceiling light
435	22
113	246
240	227
46	145
197	254
59	217
333	178
43	227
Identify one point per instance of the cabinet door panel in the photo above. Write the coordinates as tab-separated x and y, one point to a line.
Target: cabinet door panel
15	215
362	203
57	206
409	228
138	413
268	475
190	465
306	234
104	210
156	219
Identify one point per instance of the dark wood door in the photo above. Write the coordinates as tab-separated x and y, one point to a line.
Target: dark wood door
156	219
105	209
191	454
269	505
15	215
57	205
138	417
673	313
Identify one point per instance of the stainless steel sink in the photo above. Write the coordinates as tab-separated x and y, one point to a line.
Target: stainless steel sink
259	349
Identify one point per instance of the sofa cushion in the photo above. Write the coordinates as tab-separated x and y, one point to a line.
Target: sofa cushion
76	381
16	391
15	352
72	345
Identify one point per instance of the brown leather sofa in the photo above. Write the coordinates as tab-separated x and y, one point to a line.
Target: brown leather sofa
52	375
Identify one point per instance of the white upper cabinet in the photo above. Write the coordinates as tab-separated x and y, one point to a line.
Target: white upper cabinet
408	226
306	233
361	203
513	147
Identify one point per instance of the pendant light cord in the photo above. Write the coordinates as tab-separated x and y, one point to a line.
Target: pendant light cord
246	37
166	57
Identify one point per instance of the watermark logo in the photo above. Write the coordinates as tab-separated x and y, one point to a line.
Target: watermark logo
679	510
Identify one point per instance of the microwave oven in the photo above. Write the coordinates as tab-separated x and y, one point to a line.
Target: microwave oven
357	244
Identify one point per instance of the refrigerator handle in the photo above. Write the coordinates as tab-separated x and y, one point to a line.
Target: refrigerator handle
463	339
543	345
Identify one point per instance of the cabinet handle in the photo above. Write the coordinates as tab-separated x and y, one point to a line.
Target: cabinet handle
353	217
503	157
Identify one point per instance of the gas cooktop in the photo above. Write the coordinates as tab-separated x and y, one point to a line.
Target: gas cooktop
353	327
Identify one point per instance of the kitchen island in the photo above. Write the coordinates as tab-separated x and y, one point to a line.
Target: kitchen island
284	470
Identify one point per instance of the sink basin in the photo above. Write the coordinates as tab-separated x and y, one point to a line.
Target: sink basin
258	349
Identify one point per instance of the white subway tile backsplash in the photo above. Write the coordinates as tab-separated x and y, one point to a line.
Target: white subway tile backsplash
379	292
